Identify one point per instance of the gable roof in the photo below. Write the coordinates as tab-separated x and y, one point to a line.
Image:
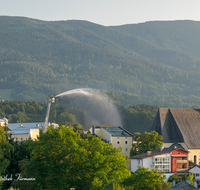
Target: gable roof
179	125
156	152
183	186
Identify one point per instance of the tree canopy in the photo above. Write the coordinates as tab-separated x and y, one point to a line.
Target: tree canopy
145	178
146	142
61	159
5	152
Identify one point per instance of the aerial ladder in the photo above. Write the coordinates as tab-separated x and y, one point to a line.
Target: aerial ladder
51	100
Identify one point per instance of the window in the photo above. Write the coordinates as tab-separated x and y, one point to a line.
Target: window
118	141
162	164
125	137
126	142
126	149
122	149
197	175
195	159
117	137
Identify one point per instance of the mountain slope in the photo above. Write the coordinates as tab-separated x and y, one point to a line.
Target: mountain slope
39	58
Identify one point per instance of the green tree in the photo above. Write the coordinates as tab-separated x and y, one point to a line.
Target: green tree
5	152
61	159
145	178
175	177
147	142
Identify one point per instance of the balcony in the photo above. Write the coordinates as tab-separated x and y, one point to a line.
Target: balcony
181	161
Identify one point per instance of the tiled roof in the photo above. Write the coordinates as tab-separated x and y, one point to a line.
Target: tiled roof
179	125
156	152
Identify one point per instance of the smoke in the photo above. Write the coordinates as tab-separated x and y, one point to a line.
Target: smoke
99	107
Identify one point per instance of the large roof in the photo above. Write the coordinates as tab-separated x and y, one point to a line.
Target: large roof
179	125
23	128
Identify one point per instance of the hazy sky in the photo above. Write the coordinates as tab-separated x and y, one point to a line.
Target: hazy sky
104	12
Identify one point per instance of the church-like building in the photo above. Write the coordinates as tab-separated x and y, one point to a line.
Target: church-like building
180	127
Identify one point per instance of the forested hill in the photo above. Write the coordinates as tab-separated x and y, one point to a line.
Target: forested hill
152	59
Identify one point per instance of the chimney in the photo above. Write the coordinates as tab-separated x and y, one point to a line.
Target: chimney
148	153
37	125
21	125
173	183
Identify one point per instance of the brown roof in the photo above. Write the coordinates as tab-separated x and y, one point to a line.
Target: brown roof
179	125
156	152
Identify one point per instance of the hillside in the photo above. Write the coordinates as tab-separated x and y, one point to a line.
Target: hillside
39	58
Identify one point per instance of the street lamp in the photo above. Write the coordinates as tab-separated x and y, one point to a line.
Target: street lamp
51	100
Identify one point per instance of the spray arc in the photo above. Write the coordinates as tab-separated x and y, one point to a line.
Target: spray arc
106	112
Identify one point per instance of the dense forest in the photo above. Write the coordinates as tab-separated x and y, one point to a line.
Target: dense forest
155	63
135	118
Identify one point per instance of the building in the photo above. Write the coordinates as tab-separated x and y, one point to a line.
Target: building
3	122
117	136
23	131
183	186
167	160
196	171
180	126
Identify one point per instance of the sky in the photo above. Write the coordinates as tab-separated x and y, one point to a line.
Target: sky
103	12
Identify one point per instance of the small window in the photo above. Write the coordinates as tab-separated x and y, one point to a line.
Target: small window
126	142
126	149
118	141
179	153
121	149
125	137
197	175
117	137
195	159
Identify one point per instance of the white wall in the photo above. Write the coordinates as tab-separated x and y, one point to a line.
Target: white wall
147	162
195	170
135	164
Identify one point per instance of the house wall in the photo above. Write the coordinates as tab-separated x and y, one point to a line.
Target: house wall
20	137
122	144
175	155
98	132
34	133
147	162
135	164
193	152
105	134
